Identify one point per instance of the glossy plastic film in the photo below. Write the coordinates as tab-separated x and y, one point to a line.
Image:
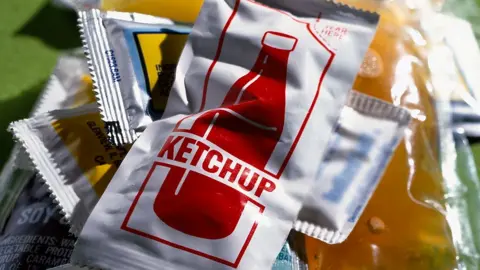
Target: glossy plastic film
13	178
352	146
461	47
451	84
80	133
77	4
420	216
458	102
468	10
218	181
288	259
365	138
63	90
35	236
71	151
133	58
185	11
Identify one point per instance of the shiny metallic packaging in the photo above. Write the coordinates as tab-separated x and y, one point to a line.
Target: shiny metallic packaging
73	156
367	134
63	90
132	58
218	182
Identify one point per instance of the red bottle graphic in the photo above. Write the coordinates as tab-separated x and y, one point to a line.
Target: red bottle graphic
248	126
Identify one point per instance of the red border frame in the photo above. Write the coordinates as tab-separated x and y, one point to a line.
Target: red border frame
125	226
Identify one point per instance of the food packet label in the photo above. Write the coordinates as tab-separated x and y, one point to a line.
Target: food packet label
365	138
72	153
209	185
157	68
89	147
466	53
185	11
77	4
287	259
69	86
458	82
455	88
134	68
63	90
35	236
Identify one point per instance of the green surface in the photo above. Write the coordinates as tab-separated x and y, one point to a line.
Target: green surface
32	34
476	155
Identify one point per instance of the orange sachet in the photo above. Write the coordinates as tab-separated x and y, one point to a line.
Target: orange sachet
402	226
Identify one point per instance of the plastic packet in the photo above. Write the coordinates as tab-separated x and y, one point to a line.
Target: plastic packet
468	173
360	109
71	151
361	115
35	236
185	11
288	258
73	75
465	9
285	259
63	90
450	83
69	266
133	58
366	135
462	49
464	121
69	86
210	185
12	180
416	230
77	4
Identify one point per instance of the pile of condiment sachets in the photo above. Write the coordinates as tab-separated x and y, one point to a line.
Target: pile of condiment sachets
251	134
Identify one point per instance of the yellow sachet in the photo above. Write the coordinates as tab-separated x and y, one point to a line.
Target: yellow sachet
84	95
88	145
70	150
134	78
178	10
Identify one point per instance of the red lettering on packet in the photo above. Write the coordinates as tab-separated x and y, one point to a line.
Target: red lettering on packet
201	149
252	180
209	165
214	162
184	149
169	147
265	185
337	32
232	169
